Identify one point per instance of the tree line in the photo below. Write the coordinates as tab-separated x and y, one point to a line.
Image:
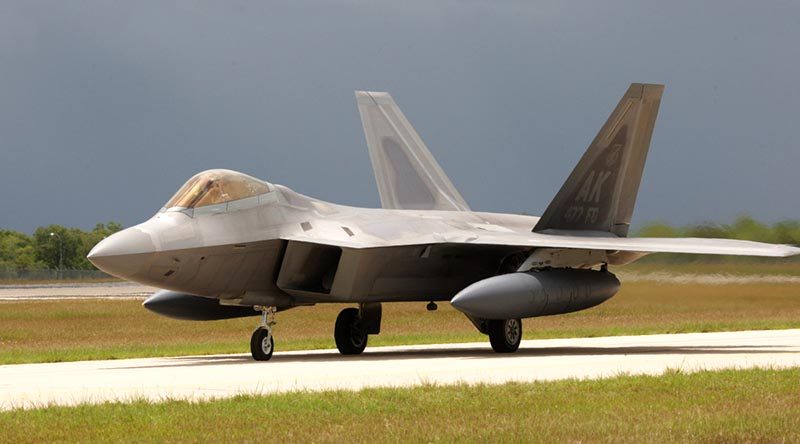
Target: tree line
67	247
743	228
52	247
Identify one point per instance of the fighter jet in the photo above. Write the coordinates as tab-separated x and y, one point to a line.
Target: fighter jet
231	245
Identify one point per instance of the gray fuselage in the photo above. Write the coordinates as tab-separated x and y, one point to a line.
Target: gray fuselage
266	254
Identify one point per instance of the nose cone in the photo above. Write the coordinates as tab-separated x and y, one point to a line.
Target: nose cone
122	254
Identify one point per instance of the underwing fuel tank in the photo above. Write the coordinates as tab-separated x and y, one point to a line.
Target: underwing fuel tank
193	308
536	293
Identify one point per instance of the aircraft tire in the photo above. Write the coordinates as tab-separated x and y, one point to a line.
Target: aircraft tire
505	335
350	338
262	344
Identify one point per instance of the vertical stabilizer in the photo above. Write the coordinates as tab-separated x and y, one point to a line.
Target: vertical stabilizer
407	174
600	193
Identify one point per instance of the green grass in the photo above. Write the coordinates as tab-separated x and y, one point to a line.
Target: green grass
726	406
51	331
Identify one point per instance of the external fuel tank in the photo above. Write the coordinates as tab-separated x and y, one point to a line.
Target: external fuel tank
536	293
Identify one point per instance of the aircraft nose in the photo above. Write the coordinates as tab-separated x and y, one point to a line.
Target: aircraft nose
122	254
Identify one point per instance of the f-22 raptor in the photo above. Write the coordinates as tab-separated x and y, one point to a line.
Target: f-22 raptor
230	245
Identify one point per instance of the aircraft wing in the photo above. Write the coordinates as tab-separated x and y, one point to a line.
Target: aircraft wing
564	239
644	244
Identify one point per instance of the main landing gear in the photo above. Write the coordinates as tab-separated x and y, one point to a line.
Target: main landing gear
504	335
350	336
354	325
261	343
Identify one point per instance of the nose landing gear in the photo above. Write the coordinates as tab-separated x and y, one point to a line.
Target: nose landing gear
261	343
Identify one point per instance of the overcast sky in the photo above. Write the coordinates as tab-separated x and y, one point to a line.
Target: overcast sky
106	107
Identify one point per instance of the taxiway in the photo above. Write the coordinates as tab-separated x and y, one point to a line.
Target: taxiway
204	377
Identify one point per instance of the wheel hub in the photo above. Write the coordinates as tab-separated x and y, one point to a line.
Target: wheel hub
357	336
266	344
512	331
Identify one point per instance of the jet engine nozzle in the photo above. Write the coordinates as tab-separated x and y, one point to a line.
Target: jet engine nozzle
536	293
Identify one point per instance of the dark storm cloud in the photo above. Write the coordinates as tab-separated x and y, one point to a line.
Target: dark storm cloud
107	107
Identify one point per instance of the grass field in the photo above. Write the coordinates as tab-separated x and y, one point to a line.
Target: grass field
727	406
50	331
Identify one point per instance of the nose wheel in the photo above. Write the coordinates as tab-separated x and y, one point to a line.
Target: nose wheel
261	343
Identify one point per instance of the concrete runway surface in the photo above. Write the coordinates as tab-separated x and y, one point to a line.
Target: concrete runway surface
203	377
73	290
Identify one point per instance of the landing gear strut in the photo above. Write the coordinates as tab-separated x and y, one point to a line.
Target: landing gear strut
354	325
261	343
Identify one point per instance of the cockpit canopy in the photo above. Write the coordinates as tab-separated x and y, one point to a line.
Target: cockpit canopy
216	188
